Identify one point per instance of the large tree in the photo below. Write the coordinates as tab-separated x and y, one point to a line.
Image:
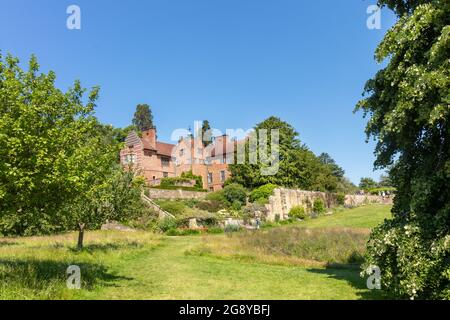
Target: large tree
408	105
327	160
143	118
298	166
58	165
206	133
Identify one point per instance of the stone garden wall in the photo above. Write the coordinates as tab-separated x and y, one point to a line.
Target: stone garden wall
281	202
174	194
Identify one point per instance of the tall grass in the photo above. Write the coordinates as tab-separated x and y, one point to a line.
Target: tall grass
294	245
35	267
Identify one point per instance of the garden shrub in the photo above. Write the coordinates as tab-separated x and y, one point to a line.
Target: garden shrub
262	194
198	179
340	199
232	228
182	232
210	205
319	206
297	212
237	205
173	207
217	196
168	223
235	192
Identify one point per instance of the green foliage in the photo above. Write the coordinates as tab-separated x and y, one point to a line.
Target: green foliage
211	205
206	133
367	183
217	196
198	179
143	118
340	199
169	187
235	193
173	207
232	228
297	212
167	224
408	103
381	190
182	232
327	160
298	166
236	205
262	193
319	206
58	165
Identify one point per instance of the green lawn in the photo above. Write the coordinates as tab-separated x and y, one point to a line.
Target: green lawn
146	266
361	217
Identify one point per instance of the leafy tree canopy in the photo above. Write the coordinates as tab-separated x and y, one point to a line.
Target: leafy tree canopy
143	118
408	106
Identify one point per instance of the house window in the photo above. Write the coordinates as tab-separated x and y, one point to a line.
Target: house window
129	159
165	162
222	175
165	174
210	178
181	152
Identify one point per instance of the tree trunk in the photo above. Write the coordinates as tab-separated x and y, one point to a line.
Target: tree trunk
81	235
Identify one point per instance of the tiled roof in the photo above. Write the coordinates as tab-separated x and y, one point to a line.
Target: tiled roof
164	149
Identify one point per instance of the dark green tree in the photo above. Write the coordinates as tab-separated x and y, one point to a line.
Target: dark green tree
58	165
143	118
206	133
298	166
408	105
327	160
367	183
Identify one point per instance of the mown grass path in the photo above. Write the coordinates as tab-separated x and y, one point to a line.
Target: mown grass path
168	273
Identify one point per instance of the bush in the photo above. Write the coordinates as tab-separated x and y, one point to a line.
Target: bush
232	228
340	199
210	206
169	187
173	207
182	232
237	206
319	206
297	212
167	224
217	196
262	194
215	230
235	192
198	179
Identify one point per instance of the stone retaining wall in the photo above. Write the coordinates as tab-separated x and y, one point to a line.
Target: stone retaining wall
174	194
281	202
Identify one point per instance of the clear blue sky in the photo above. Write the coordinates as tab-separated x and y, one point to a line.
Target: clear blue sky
233	62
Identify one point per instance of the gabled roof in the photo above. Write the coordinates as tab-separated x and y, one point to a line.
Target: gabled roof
162	148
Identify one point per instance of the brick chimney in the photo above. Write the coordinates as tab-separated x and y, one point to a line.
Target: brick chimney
150	137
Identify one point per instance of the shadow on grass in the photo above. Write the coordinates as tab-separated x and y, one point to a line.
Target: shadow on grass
92	248
39	274
8	243
351	274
